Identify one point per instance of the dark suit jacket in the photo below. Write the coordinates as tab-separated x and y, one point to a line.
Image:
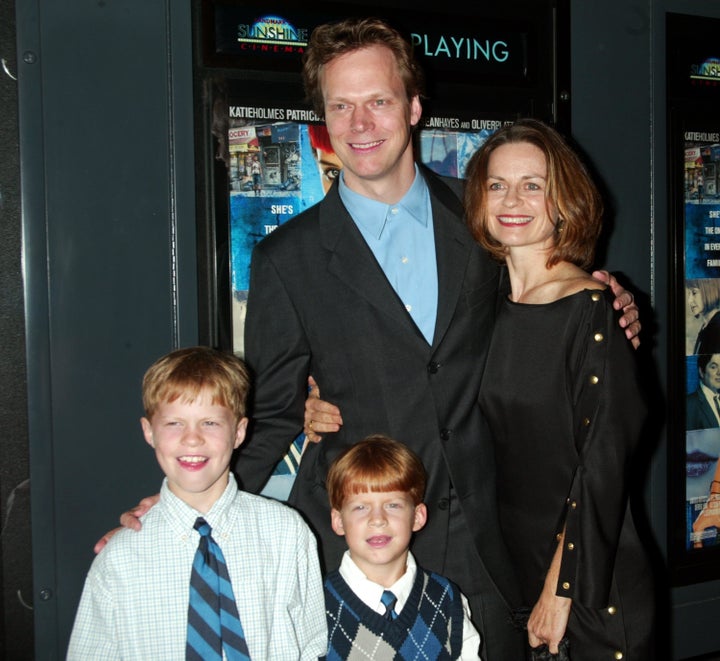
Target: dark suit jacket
708	339
698	413
320	304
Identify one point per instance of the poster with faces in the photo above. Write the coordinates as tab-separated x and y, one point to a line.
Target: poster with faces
702	334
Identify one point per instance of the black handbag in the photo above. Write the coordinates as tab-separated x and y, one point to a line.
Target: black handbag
542	653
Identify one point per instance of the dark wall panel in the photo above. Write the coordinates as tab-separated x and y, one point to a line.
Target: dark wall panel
109	222
16	616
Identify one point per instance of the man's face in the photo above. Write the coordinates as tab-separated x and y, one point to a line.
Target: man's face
711	375
369	120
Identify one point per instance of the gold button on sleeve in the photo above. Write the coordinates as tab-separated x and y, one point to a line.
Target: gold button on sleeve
586	422
571	546
599	337
618	655
595	296
594	380
566	585
612	610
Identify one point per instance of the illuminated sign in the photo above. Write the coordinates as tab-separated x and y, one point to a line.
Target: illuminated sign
272	30
468	48
708	71
253	36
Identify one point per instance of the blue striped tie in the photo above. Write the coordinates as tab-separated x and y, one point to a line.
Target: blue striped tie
213	621
389	599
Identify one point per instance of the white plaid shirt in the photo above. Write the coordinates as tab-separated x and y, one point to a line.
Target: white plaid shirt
135	600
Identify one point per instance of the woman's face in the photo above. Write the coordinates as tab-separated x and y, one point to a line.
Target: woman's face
696	304
518	211
329	165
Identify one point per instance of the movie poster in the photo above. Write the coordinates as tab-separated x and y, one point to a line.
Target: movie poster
702	337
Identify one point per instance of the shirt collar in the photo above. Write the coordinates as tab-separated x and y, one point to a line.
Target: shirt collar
370	592
371	215
182	517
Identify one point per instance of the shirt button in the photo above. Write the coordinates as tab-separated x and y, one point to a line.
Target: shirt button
404	259
394	211
408	308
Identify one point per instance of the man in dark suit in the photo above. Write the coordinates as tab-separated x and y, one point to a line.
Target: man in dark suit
702	408
381	294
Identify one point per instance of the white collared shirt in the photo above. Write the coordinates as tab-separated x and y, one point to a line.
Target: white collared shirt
135	601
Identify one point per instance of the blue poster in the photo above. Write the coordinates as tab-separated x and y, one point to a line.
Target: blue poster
702	340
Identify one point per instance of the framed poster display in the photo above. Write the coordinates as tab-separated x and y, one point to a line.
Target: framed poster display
694	185
264	156
279	168
481	70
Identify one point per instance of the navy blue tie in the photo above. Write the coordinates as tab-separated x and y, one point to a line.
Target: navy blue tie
389	599
213	621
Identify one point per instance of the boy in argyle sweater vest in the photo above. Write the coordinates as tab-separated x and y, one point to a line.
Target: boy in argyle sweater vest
376	488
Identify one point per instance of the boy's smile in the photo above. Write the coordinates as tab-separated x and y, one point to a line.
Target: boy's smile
377	527
194	442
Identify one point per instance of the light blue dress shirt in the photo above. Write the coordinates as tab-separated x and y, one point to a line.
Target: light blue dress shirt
402	239
135	601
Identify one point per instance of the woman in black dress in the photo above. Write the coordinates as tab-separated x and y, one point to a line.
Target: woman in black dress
562	398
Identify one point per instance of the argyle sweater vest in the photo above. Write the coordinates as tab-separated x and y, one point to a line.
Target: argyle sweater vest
430	625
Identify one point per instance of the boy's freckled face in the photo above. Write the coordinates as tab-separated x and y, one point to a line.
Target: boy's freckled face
378	527
193	443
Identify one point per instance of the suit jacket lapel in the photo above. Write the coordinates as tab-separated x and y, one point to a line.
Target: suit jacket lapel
453	247
709	414
352	261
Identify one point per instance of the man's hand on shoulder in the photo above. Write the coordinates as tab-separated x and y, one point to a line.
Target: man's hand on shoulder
129	519
625	301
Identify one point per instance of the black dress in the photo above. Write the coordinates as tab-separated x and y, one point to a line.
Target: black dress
562	399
